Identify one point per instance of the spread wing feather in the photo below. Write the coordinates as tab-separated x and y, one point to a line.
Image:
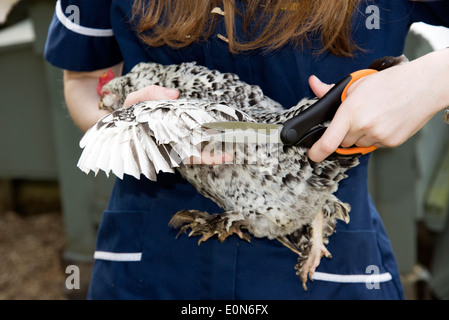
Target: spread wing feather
151	136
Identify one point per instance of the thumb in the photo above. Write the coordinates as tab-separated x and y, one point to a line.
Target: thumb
318	87
331	138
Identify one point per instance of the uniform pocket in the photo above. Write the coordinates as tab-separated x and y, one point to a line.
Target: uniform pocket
119	236
353	252
361	267
117	269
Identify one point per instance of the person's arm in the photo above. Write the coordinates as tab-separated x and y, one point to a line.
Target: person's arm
387	108
80	92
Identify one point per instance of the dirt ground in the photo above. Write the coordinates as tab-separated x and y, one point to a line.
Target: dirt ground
31	247
32	240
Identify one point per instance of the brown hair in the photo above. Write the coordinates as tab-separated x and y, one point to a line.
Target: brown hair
269	24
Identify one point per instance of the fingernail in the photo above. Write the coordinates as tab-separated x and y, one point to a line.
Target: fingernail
171	93
316	78
227	159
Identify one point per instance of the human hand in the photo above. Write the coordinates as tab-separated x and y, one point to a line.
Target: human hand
383	109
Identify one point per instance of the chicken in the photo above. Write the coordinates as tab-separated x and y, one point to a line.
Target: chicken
269	190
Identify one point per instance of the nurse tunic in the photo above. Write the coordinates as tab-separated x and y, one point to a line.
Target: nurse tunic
138	255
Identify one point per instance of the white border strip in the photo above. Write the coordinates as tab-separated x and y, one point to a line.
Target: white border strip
352	278
92	32
114	256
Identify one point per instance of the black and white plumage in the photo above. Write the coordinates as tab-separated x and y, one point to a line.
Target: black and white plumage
282	195
150	137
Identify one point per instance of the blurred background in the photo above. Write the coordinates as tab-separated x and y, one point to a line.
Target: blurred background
50	210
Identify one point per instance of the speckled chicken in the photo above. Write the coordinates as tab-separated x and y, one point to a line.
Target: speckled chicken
269	190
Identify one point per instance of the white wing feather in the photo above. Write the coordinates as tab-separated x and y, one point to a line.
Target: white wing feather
150	137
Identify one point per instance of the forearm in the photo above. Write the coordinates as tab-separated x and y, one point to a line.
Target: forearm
434	68
82	98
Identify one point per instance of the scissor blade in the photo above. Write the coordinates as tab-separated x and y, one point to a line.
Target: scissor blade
241	125
245	132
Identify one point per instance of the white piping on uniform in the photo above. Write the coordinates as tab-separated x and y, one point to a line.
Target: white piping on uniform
92	32
115	256
352	278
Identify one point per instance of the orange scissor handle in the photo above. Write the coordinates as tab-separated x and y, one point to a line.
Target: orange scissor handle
356	150
351	151
357	75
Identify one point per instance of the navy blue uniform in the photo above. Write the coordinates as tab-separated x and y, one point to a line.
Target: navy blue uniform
138	255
